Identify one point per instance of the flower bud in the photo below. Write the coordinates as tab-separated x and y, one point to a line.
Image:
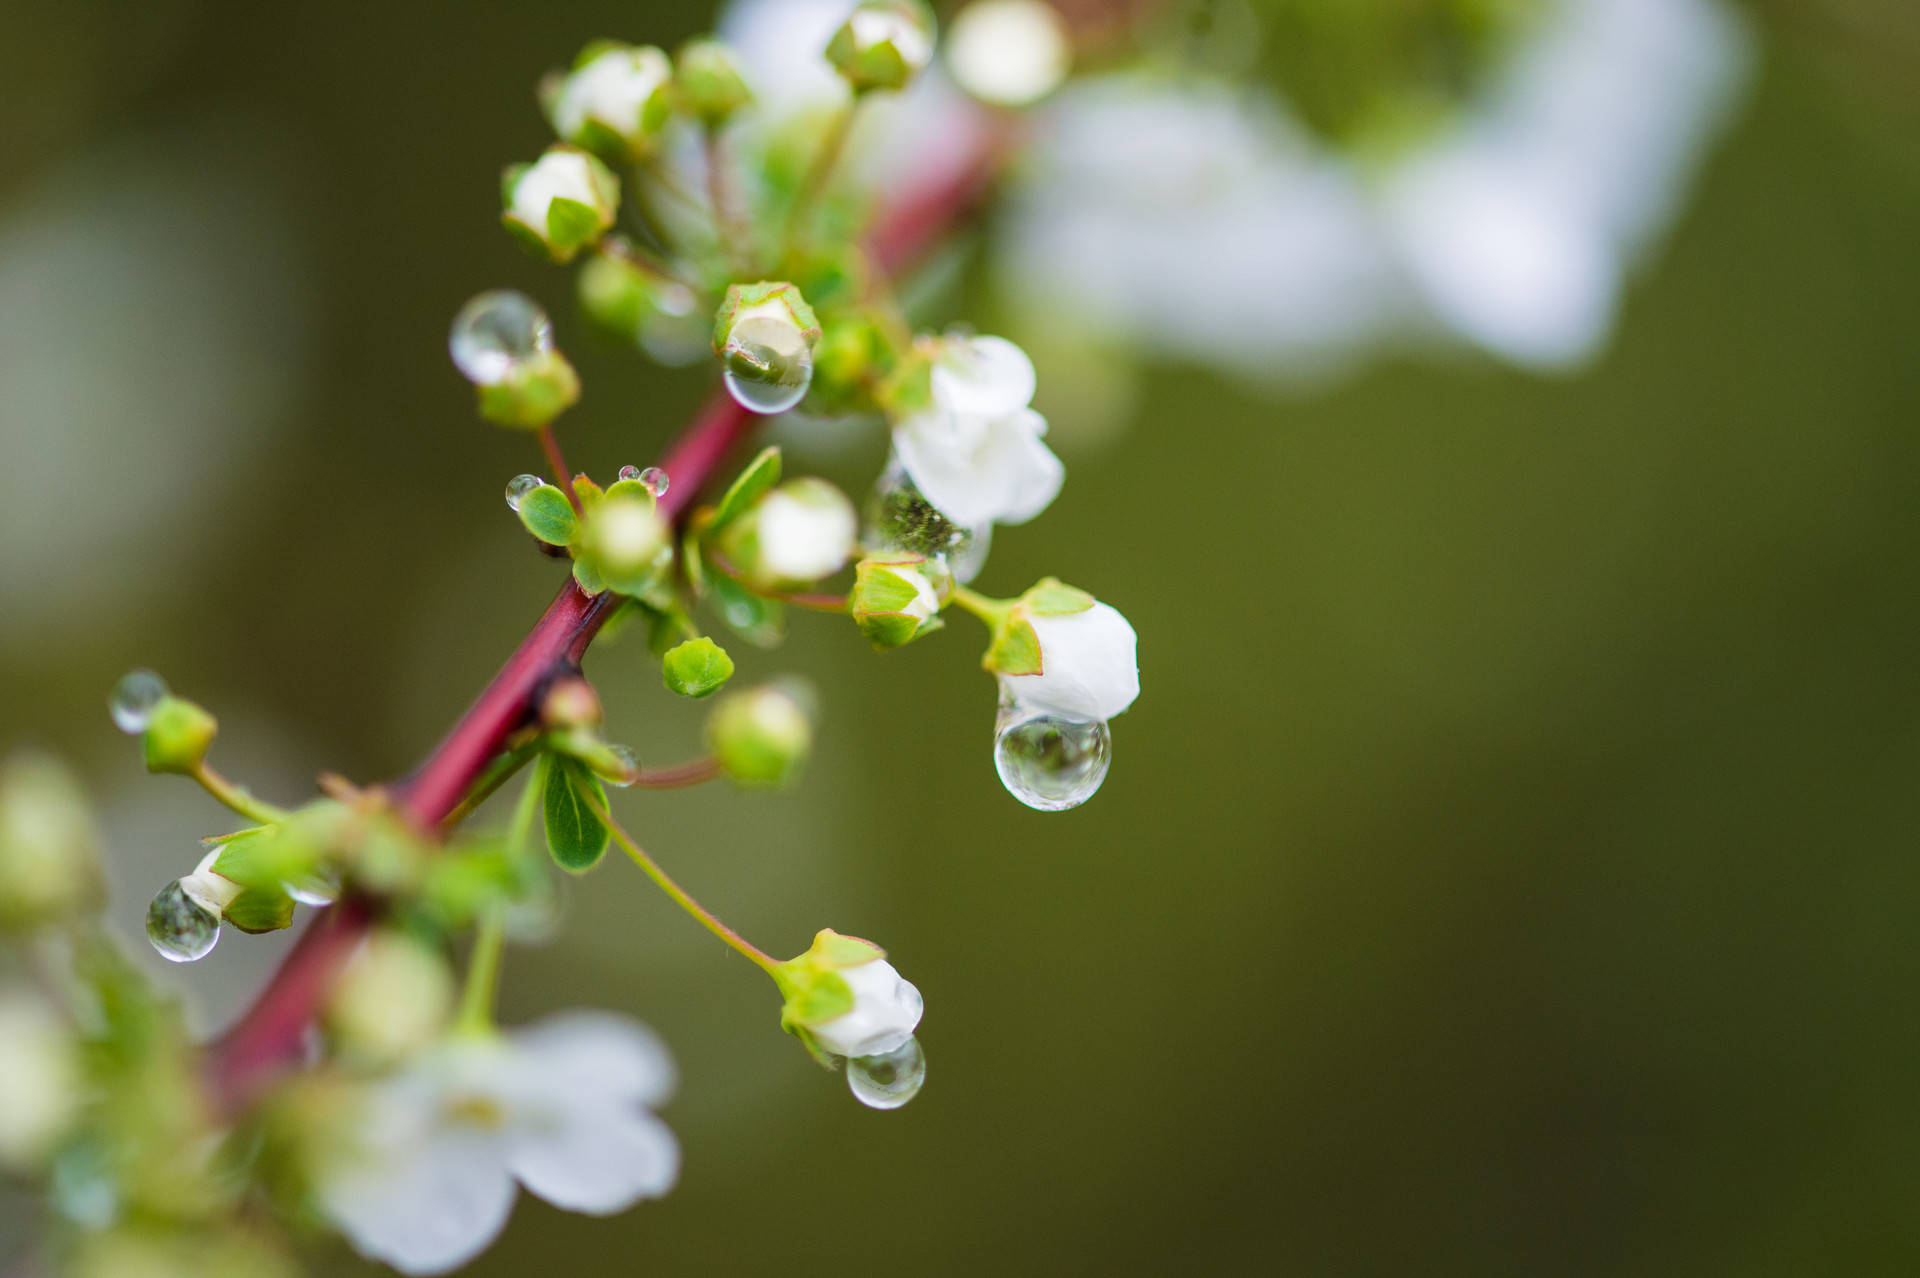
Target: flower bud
696	668
894	600
631	303
883	44
560	203
41	1068
759	736
764	335
502	342
709	80
614	102
800	532
625	543
843	998
177	736
392	999
1009	52
49	848
571	703
1057	649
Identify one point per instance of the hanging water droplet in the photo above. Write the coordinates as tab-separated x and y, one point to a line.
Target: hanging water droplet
519	486
655	480
890	1080
497	332
180	927
628	761
134	698
316	889
899	517
1048	762
767	364
630	473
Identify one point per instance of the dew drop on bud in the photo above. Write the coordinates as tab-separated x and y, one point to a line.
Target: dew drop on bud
519	486
655	480
316	889
496	333
630	473
890	1080
134	698
181	928
899	517
628	761
767	364
1048	762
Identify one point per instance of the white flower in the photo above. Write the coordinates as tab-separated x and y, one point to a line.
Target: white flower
886	1009
1009	52
975	453
1088	667
40	1066
1208	224
806	530
614	90
561	1106
561	174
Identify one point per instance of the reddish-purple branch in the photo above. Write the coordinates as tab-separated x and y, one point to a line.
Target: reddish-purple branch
267	1038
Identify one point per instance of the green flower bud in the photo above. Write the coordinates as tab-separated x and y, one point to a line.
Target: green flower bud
623	544
177	736
614	102
760	736
697	668
49	848
894	601
392	999
561	203
533	394
843	999
571	703
883	44
708	77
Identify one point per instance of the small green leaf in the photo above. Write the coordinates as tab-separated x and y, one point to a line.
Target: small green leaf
697	668
1054	598
260	909
588	577
548	515
1015	649
576	837
762	473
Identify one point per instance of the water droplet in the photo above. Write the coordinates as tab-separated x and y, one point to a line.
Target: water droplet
628	760
630	473
1048	762
134	698
675	332
180	927
891	1080
495	333
898	517
655	480
316	889
519	486
767	364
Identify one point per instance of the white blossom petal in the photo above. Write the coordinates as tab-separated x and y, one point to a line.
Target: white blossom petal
591	1153
805	540
976	471
1089	668
886	1009
611	1054
427	1208
983	377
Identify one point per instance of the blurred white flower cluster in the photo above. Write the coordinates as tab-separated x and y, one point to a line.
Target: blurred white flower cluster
1202	222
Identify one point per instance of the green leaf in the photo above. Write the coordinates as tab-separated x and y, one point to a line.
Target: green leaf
576	837
697	668
588	577
1015	649
762	473
548	515
1054	598
260	909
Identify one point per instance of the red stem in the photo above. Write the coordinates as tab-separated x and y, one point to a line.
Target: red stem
267	1038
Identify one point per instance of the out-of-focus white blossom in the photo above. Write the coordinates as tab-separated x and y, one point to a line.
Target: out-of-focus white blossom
975	452
622	90
1204	223
40	1079
562	1107
806	530
1009	52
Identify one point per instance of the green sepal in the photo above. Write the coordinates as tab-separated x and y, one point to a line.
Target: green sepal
570	224
836	949
510	178
260	909
1015	649
528	238
263	857
587	491
587	577
745	297
604	142
762	473
819	997
1054	598
548	515
634	489
697	668
755	618
879	600
576	836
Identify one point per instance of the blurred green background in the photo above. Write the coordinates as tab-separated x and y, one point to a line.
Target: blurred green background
1509	868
